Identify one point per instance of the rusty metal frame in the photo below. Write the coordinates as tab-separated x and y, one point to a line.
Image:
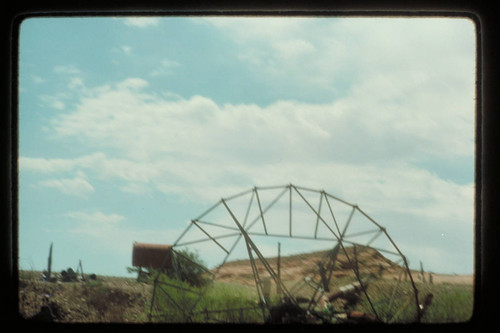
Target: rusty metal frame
243	230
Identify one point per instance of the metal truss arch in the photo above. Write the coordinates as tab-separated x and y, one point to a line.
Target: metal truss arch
299	213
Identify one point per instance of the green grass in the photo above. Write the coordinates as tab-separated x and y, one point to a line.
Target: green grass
451	303
221	302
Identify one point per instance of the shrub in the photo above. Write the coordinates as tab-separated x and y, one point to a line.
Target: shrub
190	268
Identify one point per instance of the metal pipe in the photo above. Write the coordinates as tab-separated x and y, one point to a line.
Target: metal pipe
338	199
331	212
238	195
176	269
319	213
270	187
290	226
266	209
217	225
248	209
183	233
361	233
260	209
215	241
409	274
307	202
201	240
208	210
293	237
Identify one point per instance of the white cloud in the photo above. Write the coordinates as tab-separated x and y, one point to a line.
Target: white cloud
132	83
76	83
44	165
55	102
165	68
123	169
77	186
98	218
344	51
126	49
363	126
203	151
96	224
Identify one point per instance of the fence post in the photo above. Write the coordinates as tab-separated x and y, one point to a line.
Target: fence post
422	276
266	289
49	264
278	285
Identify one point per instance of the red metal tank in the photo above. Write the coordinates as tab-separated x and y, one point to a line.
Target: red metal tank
152	255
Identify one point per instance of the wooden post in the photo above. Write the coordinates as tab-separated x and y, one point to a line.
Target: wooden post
80	267
278	285
406	271
422	276
324	279
49	264
266	289
139	274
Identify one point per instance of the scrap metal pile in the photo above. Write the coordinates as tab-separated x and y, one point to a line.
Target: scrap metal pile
68	275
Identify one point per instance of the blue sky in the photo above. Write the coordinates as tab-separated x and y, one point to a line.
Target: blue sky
131	127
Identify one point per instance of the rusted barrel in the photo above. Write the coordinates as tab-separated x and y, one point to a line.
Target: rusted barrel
152	255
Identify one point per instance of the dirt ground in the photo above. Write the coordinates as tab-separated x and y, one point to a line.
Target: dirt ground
452	278
108	299
117	299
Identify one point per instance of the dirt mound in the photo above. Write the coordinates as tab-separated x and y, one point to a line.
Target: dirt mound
295	267
105	300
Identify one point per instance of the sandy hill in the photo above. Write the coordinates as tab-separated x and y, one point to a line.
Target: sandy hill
296	267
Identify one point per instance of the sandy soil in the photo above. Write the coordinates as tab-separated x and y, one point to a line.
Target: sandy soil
296	267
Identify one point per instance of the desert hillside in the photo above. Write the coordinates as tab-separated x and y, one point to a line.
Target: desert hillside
296	267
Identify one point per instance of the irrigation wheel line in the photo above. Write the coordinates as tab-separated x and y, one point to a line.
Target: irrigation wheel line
244	229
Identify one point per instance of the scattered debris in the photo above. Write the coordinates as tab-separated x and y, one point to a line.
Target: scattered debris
350	294
286	313
68	275
290	313
361	317
427	302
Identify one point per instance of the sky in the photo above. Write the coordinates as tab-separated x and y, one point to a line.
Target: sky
130	127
